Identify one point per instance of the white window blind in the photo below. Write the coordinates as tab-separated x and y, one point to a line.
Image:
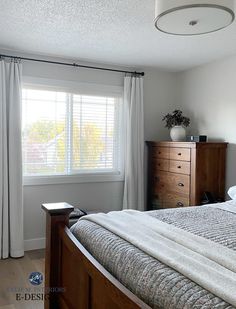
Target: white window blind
69	134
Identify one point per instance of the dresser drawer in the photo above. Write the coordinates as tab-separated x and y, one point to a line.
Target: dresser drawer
180	154
161	152
180	167
171	200
170	182
160	165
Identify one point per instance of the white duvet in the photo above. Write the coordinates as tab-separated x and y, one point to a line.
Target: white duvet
209	264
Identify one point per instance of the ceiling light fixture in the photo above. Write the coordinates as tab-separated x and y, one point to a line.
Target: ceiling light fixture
188	17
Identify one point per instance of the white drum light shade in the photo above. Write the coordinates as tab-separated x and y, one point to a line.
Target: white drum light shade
187	17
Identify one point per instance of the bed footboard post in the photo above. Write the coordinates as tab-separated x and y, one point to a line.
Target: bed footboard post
57	215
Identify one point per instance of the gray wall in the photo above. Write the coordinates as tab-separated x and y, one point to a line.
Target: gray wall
159	97
208	95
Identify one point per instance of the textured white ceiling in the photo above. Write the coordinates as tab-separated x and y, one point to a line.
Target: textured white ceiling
118	32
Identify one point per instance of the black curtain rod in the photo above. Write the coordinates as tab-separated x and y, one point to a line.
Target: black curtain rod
72	65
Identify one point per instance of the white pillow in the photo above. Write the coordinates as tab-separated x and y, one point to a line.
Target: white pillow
232	193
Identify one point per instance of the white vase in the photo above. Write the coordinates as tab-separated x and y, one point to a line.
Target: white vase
178	134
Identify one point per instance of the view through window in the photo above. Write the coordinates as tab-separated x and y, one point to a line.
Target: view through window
67	134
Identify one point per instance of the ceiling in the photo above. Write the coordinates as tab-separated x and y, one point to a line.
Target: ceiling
118	32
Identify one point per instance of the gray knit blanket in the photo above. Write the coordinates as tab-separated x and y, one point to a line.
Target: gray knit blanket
155	283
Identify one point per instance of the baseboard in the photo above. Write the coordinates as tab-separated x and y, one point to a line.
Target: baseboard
34	244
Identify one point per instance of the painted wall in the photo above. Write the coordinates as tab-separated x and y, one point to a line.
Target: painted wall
208	95
159	97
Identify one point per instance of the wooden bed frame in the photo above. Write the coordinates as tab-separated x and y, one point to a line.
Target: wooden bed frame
73	278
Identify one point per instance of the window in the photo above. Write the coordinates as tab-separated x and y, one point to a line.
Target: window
70	134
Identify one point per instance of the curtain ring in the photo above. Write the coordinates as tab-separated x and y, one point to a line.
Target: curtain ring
17	60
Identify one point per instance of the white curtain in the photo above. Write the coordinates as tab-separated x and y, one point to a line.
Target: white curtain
134	144
11	205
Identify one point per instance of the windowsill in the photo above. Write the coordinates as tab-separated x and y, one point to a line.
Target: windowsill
83	178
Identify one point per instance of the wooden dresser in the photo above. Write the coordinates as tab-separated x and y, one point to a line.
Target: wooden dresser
180	172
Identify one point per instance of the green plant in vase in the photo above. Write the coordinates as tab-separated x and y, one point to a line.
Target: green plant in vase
176	122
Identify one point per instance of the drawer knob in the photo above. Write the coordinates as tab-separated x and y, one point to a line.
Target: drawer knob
180	184
179	154
179	166
179	204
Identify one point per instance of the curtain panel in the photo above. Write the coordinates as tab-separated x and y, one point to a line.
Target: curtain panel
11	204
134	143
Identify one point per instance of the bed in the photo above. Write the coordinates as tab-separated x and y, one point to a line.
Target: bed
91	266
